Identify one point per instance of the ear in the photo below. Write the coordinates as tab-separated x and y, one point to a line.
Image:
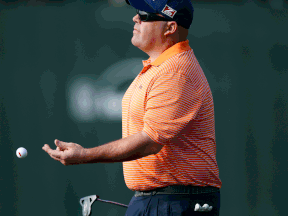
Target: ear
171	28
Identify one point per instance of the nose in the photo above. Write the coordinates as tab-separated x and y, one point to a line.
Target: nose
136	19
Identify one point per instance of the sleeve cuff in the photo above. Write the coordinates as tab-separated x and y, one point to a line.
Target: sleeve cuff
151	133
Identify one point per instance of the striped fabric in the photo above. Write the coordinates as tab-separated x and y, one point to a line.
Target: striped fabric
171	101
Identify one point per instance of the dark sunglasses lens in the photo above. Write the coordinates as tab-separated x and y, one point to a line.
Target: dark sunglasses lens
143	15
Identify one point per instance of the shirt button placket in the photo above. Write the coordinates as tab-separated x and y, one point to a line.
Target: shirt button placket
135	86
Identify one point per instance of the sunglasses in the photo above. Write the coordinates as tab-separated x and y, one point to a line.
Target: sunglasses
149	17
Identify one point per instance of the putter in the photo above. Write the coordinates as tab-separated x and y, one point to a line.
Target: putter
86	203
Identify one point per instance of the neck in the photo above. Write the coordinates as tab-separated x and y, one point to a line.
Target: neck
154	54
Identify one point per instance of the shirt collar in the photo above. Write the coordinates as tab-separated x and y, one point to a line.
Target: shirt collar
173	50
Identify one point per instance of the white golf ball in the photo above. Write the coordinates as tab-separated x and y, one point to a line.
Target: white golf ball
21	152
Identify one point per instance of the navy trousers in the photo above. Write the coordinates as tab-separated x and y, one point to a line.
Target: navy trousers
173	204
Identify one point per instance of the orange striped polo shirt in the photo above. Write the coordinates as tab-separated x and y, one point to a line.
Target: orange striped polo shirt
172	102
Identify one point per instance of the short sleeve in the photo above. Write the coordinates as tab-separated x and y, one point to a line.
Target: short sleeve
172	102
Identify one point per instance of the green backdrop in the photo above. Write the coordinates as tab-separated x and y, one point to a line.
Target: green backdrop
47	49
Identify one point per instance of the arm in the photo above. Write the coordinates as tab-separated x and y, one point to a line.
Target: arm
130	148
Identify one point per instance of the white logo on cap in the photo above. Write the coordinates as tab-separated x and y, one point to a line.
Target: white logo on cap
169	11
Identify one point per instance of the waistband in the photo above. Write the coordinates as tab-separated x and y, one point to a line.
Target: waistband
178	189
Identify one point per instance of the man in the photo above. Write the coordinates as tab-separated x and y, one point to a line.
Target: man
168	147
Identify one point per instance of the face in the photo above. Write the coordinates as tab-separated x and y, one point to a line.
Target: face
148	35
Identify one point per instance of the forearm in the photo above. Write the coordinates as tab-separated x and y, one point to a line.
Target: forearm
130	148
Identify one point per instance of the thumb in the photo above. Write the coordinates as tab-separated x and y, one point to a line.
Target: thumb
60	144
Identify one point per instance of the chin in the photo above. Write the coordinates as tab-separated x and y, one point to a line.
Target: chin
135	42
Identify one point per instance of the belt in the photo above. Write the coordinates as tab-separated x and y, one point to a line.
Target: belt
178	189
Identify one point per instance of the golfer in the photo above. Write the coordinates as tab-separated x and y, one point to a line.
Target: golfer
168	149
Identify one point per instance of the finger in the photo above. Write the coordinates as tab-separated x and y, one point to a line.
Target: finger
55	158
61	161
52	152
60	144
56	141
46	147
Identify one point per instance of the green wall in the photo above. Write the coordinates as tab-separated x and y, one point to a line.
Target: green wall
242	48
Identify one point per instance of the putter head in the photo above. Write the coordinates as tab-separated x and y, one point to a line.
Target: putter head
86	203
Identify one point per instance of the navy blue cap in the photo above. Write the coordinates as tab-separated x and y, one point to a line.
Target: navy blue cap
180	11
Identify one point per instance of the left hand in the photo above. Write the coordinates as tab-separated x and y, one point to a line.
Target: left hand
66	153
